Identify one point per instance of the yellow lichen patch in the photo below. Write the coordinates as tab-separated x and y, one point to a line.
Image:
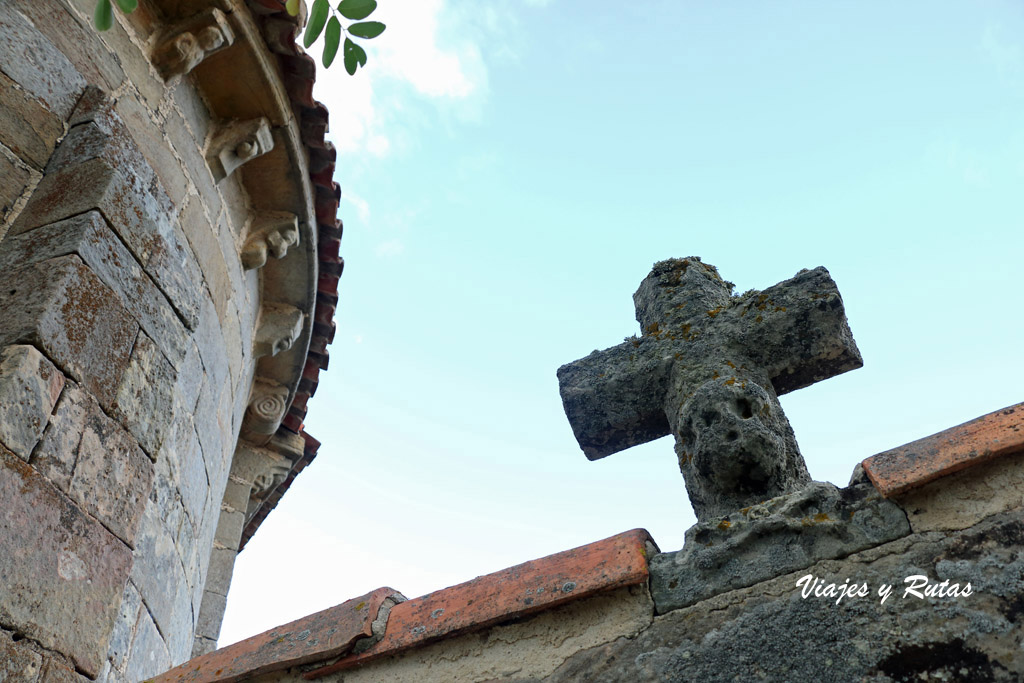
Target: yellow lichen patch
730	364
780	308
653	328
729	382
758	319
744	511
821	517
724	524
685	458
714	311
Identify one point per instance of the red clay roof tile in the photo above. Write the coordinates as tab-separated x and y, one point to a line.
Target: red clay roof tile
919	462
319	636
508	594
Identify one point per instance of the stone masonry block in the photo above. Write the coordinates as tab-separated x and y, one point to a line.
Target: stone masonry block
36	64
57	671
160	578
211	615
112	475
113	177
149	655
14	178
76	40
229	529
29	388
146	394
121	636
89	236
218	576
27	128
63	309
18	663
52	548
185	467
57	452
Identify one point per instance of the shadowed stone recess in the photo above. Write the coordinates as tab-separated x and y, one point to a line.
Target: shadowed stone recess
781	535
708	369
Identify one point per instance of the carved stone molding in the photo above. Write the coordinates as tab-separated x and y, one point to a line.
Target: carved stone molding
185	45
236	143
262	468
267	405
271	235
280	325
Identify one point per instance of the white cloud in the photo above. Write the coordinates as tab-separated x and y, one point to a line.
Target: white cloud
361	206
390	248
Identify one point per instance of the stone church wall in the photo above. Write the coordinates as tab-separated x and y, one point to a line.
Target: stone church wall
135	315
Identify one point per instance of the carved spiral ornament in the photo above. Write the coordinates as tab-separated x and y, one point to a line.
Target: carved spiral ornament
269	405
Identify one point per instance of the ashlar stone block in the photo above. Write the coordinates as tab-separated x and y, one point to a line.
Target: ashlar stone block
29	388
27	128
57	451
62	308
52	548
36	64
89	236
146	394
112	475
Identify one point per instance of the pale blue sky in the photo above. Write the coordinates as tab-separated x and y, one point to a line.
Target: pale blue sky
510	172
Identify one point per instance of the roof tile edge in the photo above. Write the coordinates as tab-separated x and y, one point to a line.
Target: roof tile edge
919	462
511	593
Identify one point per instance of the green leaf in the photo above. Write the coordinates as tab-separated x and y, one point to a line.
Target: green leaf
332	37
357	9
317	18
293	7
355	57
366	29
103	17
127	6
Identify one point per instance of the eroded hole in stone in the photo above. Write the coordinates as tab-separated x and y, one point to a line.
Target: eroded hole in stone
732	436
708	417
13	292
744	408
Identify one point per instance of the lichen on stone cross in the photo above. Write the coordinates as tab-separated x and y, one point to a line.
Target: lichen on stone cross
709	368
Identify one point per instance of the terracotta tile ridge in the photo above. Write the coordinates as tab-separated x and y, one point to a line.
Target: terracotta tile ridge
919	462
508	594
330	633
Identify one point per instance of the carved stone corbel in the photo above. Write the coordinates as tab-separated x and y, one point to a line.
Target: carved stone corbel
236	143
267	406
185	45
271	235
280	325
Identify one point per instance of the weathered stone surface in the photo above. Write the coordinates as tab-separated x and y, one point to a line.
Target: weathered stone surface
184	456
29	388
147	132
708	369
14	178
218	577
26	127
149	655
160	578
33	62
124	628
18	663
89	236
57	452
55	671
185	45
211	615
112	475
769	632
62	308
778	536
54	550
145	394
99	167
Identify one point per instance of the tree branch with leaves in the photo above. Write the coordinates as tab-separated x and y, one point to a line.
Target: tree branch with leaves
353	54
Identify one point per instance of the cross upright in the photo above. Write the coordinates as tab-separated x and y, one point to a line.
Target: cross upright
709	368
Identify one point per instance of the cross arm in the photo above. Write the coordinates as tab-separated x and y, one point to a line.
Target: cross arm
797	331
614	399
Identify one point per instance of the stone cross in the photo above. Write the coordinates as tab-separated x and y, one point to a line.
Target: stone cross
708	369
